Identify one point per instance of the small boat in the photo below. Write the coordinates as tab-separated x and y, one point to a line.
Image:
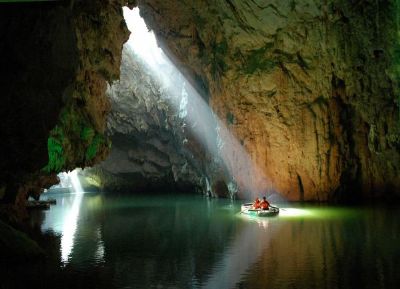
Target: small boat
248	210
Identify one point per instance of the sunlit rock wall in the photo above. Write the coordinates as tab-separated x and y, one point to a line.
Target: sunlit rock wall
148	141
309	87
56	60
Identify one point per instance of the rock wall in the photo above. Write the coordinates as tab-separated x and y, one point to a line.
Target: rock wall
56	61
310	88
148	141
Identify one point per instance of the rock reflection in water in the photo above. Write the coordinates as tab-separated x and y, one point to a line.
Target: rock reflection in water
186	242
336	248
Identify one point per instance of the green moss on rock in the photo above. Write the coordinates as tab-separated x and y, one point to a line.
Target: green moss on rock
230	118
218	65
258	60
87	133
94	146
74	141
55	150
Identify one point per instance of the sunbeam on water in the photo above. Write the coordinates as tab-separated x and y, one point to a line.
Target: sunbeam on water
63	219
244	176
68	228
243	252
293	212
184	241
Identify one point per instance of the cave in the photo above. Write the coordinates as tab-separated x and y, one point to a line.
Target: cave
136	135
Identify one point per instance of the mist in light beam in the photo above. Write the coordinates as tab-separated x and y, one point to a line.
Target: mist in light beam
244	176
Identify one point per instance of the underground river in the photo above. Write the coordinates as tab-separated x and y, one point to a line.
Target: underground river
179	241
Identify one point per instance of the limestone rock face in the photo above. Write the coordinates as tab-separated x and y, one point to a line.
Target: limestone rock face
148	152
310	88
56	61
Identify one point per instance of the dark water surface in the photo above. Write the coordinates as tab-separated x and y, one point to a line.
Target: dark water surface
191	242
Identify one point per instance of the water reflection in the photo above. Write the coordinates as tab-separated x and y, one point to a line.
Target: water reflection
69	228
175	242
186	242
246	248
66	216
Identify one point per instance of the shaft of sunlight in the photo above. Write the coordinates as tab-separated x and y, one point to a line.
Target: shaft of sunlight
243	173
142	41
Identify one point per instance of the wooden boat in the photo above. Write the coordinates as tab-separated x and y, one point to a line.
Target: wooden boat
249	210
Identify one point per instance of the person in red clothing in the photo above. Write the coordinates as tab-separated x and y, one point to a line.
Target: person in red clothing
264	204
256	204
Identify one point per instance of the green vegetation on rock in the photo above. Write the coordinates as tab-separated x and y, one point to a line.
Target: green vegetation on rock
257	60
394	72
266	59
55	150
94	146
73	141
230	118
87	133
218	65
395	69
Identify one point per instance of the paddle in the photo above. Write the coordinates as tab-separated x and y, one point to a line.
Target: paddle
277	208
241	212
246	209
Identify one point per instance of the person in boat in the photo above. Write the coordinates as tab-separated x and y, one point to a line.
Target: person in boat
256	204
264	204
